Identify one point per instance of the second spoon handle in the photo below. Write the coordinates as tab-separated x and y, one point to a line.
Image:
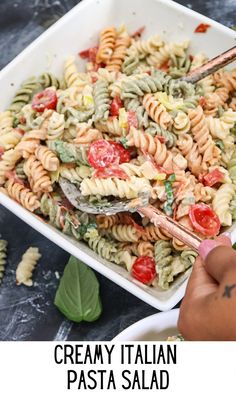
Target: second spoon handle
211	66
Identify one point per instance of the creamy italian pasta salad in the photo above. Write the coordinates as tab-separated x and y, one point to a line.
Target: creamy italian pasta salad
126	124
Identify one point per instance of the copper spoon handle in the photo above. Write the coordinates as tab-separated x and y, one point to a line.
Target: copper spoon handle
211	66
174	228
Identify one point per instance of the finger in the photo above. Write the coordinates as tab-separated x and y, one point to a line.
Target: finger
217	259
224	240
200	282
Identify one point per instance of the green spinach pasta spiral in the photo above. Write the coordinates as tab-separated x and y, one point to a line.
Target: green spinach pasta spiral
24	94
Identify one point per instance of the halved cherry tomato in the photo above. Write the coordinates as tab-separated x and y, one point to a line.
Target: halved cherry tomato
111	171
144	269
204	219
132	119
46	99
116	104
213	177
202	28
122	154
101	154
138	33
89	54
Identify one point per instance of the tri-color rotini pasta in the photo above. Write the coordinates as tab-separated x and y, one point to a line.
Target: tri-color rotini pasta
122	127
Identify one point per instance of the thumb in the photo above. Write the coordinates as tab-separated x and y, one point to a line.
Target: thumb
218	258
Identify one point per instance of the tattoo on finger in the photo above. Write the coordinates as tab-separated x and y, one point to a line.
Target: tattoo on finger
228	290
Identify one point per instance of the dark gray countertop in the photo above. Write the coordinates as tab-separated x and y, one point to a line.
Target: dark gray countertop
29	313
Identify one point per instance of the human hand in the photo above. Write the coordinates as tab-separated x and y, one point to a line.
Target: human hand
208	310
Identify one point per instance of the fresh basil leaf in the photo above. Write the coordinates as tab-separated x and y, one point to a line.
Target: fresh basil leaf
234	246
77	296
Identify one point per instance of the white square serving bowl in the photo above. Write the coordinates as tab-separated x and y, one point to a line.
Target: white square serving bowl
79	30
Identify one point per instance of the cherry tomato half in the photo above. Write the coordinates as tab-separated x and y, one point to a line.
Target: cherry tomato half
122	154
46	99
111	171
89	54
213	177
204	219
116	104
101	154
144	269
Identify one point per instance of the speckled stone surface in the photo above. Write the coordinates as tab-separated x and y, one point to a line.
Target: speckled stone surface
29	313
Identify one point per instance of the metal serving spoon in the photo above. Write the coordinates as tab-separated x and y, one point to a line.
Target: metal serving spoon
141	204
74	196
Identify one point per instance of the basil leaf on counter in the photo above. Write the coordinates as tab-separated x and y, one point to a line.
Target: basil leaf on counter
77	296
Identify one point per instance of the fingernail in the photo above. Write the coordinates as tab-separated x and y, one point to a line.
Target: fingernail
205	247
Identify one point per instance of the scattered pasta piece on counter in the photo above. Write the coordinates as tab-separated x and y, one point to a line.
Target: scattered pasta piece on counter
26	266
3	256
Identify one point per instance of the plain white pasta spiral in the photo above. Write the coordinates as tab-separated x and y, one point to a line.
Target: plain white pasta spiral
221	203
147	170
145	47
181	123
10	139
220	127
72	76
26	266
111	126
7	163
116	187
6	122
56	126
124	233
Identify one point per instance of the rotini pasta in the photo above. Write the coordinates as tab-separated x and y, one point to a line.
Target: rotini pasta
39	176
202	136
221	203
26	266
106	45
3	256
157	111
124	233
47	158
115	187
139	249
122	42
22	195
